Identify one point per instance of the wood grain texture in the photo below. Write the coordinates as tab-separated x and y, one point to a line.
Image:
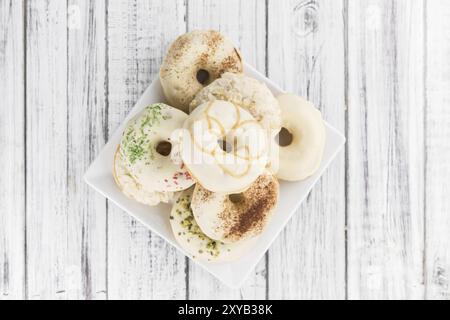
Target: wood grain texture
86	133
306	57
12	157
47	212
140	264
70	71
385	149
437	262
244	22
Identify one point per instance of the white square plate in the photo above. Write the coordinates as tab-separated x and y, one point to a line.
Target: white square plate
233	274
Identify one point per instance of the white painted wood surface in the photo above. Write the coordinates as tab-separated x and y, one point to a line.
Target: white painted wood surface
437	147
47	254
86	134
12	157
376	226
306	55
385	210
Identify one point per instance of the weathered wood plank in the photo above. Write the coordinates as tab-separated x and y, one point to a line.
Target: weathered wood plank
49	276
437	262
385	149
244	22
12	157
86	134
306	57
140	264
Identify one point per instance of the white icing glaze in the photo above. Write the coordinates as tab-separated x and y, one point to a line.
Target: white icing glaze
247	93
214	168
150	169
192	239
224	220
303	156
134	190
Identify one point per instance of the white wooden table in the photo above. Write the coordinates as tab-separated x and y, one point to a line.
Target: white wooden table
376	226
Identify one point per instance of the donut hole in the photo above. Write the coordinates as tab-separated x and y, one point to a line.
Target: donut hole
202	76
225	145
284	138
164	148
236	198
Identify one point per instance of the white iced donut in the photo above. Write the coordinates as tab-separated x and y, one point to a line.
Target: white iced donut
195	60
253	96
224	147
191	238
302	139
247	93
134	190
236	217
150	155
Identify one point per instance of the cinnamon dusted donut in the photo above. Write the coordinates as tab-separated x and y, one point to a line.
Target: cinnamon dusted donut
223	147
194	241
195	60
233	218
302	138
148	153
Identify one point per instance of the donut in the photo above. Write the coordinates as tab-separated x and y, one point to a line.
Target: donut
148	153
236	217
134	190
223	147
247	93
192	240
301	139
195	60
252	95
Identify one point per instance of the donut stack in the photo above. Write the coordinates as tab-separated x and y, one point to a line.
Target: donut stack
217	149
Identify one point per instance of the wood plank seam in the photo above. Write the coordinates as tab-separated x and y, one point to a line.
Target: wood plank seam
385	74
67	144
105	137
13	181
25	33
425	146
266	72
437	170
345	15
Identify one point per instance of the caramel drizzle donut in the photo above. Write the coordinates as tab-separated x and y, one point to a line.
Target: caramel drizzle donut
237	124
247	93
221	121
